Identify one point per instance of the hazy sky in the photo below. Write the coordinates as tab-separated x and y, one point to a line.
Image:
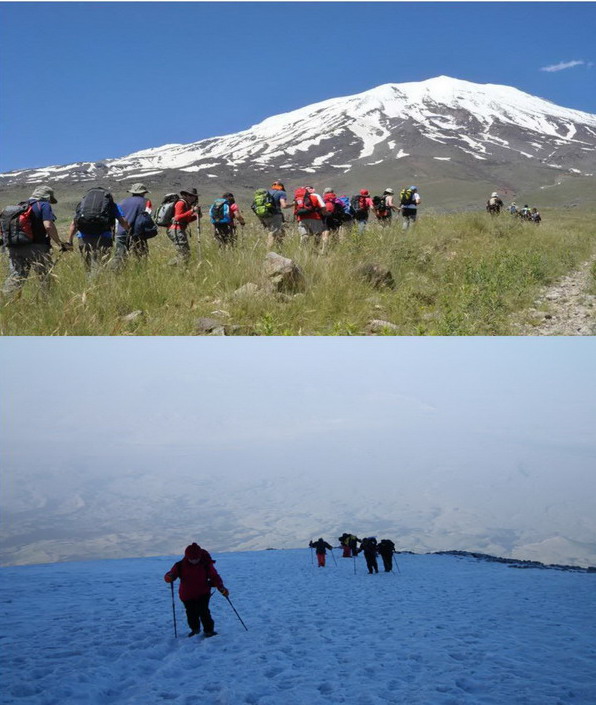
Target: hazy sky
114	428
145	74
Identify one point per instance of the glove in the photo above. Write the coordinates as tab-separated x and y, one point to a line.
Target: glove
168	578
224	591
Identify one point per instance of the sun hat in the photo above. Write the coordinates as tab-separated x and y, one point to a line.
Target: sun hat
189	192
44	193
138	189
389	191
328	190
363	192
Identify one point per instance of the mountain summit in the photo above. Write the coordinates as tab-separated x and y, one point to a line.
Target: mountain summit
443	125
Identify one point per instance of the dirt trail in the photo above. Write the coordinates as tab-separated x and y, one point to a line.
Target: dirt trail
566	308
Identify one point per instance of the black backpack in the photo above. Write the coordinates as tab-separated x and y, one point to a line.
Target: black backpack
16	224
358	204
164	215
95	213
144	226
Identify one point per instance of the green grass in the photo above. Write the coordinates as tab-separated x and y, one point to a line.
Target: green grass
463	274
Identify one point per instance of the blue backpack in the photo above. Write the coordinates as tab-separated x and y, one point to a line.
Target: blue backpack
220	212
345	202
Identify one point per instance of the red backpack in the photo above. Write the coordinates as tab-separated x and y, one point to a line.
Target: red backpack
16	223
304	205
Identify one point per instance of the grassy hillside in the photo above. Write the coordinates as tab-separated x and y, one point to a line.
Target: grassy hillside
459	274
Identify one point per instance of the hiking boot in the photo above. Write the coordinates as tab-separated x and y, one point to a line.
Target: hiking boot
208	634
193	632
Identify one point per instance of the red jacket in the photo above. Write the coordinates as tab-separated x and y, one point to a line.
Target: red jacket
183	214
195	580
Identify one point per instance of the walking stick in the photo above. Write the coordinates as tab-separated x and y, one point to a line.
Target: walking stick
198	230
333	554
174	611
237	615
398	570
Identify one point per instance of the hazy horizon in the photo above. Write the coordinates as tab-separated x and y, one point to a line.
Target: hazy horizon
118	447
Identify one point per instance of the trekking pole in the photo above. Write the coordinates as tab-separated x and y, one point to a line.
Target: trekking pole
354	564
237	615
398	570
198	231
333	555
174	611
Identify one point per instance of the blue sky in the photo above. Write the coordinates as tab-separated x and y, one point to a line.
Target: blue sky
88	81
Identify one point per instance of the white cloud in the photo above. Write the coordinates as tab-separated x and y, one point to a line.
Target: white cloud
562	65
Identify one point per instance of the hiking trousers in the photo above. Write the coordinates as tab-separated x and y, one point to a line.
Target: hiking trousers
387	561
197	613
130	243
95	250
22	260
321	559
409	217
180	239
371	563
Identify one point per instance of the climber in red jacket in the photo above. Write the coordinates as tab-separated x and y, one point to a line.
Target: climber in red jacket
197	575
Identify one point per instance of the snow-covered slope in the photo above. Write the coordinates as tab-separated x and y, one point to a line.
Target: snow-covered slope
440	119
441	631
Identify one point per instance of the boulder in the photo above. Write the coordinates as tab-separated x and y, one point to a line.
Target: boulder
379	326
283	274
377	275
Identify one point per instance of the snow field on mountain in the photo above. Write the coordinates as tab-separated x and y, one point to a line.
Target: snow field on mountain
442	631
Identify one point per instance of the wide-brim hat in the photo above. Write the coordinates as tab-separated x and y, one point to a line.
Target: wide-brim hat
45	193
189	192
389	191
138	189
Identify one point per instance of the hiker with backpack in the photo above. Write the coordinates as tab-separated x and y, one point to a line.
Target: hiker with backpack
535	216
368	546
136	210
185	211
361	207
335	215
494	204
386	549
93	224
321	547
383	207
224	214
409	200
28	231
309	209
268	205
197	574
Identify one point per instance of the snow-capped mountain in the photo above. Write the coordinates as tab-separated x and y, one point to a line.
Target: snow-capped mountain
412	128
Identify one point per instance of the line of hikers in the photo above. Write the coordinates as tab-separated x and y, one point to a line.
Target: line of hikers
495	204
368	545
28	229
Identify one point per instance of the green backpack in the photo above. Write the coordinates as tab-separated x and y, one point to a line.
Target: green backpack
406	197
263	203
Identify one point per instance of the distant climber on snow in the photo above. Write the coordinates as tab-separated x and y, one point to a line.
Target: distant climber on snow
386	549
368	546
320	547
197	574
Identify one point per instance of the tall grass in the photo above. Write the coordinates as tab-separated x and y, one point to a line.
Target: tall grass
455	275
